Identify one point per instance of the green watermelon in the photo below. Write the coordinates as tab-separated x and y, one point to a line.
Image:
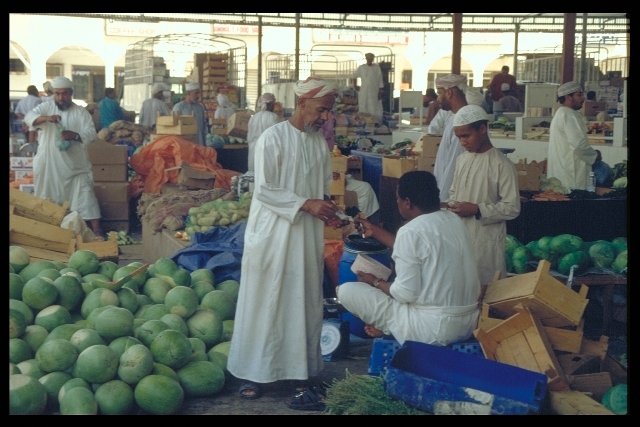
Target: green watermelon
182	301
115	397
85	261
27	396
171	348
18	258
96	364
159	395
135	363
79	401
201	378
56	355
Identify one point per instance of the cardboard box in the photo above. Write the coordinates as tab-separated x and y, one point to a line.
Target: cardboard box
17	163
427	146
529	175
110	173
426	164
553	303
176	125
197	178
215	79
338	185
113	198
341	130
102	153
28	188
396	166
238	124
22	173
592	108
339	164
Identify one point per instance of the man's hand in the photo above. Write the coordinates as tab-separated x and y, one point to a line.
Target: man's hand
69	135
464	209
47	119
367	278
323	210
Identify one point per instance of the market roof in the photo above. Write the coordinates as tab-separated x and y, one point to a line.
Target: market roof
471	22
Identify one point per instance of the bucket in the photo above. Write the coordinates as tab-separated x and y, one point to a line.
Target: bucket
354	245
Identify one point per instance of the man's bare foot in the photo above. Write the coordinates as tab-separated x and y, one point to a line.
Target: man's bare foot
372	331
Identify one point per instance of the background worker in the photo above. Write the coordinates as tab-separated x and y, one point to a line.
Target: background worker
153	106
110	110
279	315
484	192
430	106
48	90
508	103
495	87
434	296
371	89
191	106
570	154
224	110
259	122
25	105
65	174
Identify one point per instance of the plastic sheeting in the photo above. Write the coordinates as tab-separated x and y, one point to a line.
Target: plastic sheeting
219	250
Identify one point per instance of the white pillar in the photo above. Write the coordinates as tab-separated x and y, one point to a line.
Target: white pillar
109	71
38	69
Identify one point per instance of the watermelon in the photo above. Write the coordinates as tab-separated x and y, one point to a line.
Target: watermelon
39	292
206	325
121	344
35	336
204	275
85	261
32	270
63	331
27	396
128	299
72	383
56	355
182	301
17	323
171	348
96	364
98	298
50	273
160	369
135	363
201	378
70	293
85	338
114	322
201	288
18	258
175	322
15	286
150	330
231	287
19	351
615	399
159	395
220	302
223	348
107	268
154	312
156	289
53	316
13	369
115	397
30	367
53	382
23	308
79	401
227	329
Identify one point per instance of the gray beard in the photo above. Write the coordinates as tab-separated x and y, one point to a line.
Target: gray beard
308	129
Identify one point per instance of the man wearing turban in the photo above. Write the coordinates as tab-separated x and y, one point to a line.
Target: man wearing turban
153	106
224	110
61	167
570	156
25	105
371	90
259	122
191	106
279	313
484	192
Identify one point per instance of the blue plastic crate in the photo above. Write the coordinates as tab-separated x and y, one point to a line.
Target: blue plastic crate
471	347
382	352
440	381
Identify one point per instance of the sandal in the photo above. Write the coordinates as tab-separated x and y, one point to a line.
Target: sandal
252	388
311	399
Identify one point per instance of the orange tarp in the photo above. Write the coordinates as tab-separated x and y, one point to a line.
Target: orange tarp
170	151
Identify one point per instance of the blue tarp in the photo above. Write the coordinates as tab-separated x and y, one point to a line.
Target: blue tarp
219	250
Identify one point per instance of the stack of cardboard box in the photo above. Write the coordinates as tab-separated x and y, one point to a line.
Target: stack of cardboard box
111	185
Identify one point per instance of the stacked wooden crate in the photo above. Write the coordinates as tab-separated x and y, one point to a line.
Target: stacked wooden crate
215	73
35	225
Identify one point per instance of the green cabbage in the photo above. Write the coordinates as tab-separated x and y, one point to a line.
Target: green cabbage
521	257
602	254
510	244
578	258
620	263
543	243
565	243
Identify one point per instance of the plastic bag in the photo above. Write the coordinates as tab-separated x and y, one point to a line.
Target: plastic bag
62	144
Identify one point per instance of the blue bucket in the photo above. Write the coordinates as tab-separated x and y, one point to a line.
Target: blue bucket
352	248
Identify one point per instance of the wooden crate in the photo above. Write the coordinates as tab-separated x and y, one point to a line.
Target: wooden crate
29	206
30	232
521	341
553	303
215	79
573	402
106	250
338	184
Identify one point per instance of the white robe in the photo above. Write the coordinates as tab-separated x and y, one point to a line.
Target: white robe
367	200
223	113
150	108
570	155
185	109
435	293
257	124
371	79
489	180
65	175
279	315
448	152
436	126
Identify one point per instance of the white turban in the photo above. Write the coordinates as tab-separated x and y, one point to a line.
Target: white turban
314	87
452	80
191	86
505	87
469	114
61	82
265	99
223	101
568	88
158	87
47	86
474	97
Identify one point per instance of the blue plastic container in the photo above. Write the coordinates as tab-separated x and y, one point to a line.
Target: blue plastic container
440	380
352	248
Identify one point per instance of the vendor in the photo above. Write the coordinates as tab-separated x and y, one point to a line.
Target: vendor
191	106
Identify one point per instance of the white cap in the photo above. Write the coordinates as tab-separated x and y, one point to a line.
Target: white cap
61	82
474	97
158	87
469	114
191	86
568	88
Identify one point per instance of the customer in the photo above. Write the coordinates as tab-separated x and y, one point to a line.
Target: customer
451	95
191	106
259	122
508	103
153	107
48	90
110	110
430	105
372	88
570	155
224	110
484	192
279	315
603	172
25	105
65	174
495	87
434	296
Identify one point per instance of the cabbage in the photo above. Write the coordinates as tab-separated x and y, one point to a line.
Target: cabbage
543	243
510	244
521	257
602	254
620	241
620	263
565	243
578	258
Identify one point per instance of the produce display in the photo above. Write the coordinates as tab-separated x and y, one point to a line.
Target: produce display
217	212
565	251
93	338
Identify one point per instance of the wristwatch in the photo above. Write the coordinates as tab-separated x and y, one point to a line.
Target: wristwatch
377	283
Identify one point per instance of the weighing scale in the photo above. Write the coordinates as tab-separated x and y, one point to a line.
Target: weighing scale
334	340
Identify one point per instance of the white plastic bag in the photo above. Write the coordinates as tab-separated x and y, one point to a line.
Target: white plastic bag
74	222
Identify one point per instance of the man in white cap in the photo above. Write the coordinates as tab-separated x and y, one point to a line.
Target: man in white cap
279	312
484	192
153	107
61	167
191	106
570	155
495	86
372	88
508	103
451	90
224	110
259	122
48	89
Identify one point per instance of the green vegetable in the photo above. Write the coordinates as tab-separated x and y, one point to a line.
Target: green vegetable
565	243
620	182
511	243
620	263
602	254
579	258
521	257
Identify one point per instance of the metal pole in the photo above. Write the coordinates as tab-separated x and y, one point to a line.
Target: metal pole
259	56
515	50
583	61
457	43
568	48
297	46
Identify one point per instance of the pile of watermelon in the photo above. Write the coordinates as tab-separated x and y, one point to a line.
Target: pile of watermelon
90	337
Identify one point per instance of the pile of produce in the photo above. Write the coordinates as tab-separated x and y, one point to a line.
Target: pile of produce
503	123
564	251
217	212
122	130
89	337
